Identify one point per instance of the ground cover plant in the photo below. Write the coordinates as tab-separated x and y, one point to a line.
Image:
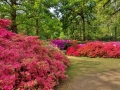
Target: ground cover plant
96	49
27	63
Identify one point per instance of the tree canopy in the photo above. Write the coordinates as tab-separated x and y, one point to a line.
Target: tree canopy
66	19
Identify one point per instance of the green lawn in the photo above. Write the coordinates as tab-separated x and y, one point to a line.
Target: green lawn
84	66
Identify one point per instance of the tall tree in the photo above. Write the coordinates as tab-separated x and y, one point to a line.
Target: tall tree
71	10
9	6
32	17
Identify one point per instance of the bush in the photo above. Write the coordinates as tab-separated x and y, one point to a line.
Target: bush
97	49
28	64
62	44
74	50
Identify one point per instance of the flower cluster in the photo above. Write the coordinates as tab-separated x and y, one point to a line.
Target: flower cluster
28	64
97	49
3	32
62	44
5	23
74	50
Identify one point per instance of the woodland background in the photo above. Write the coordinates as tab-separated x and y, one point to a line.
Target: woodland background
65	19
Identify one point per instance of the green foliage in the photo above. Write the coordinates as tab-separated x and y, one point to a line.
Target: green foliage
33	17
77	19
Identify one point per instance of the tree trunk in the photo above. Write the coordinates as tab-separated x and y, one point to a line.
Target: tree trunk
27	31
115	37
83	24
13	16
37	27
73	34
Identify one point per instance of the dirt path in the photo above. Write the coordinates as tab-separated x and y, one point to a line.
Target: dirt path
100	81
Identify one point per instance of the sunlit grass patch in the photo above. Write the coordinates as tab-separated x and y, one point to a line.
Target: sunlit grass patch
83	65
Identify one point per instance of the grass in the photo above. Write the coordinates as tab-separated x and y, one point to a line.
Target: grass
83	66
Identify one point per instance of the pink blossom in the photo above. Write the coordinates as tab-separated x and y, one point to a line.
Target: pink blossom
27	63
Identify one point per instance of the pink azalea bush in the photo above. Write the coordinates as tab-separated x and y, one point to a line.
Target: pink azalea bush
96	49
3	32
28	64
5	23
74	50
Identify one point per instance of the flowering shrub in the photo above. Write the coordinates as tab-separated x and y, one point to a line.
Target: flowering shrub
64	44
61	43
5	23
3	32
96	49
112	49
28	64
92	49
74	50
